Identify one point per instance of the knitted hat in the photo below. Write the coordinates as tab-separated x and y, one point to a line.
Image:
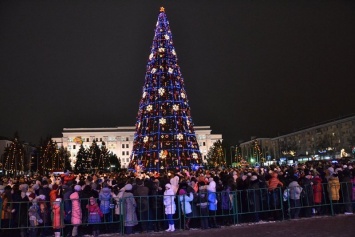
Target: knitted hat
23	187
77	188
128	187
182	192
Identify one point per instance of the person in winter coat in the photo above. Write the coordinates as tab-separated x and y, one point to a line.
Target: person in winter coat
7	209
170	207
185	200
254	196
22	208
156	204
202	204
129	208
105	200
141	193
333	191
58	215
76	213
307	194
67	191
95	215
53	194
317	193
33	216
346	191
174	182
294	196
212	203
227	200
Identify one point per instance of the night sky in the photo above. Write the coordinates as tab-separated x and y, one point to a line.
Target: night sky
251	68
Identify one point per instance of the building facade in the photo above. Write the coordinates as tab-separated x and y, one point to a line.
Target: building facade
329	140
119	140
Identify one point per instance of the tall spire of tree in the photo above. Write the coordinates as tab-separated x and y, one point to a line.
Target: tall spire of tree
165	136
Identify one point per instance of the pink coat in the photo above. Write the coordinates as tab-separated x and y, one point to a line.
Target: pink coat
76	214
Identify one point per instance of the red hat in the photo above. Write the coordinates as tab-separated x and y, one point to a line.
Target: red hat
182	192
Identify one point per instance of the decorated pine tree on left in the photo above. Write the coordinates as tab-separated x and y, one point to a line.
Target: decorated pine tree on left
165	136
14	157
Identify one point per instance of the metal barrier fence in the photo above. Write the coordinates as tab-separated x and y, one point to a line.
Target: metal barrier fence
147	213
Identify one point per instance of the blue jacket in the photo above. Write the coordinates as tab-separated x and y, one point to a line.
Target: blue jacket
212	201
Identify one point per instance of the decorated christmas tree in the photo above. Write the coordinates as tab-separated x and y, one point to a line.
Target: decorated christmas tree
215	155
82	163
164	136
64	156
14	157
104	159
50	158
94	156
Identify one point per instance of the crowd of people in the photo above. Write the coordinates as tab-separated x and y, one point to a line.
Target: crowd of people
138	201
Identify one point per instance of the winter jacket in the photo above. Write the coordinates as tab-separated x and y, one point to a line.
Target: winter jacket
317	190
169	201
33	215
295	190
58	215
274	182
95	213
53	195
105	200
129	207
212	201
333	188
185	203
76	214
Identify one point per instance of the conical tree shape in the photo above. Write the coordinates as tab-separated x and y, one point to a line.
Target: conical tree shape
14	157
165	136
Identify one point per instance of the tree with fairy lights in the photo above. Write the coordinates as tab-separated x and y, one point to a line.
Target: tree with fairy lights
164	136
237	154
94	155
257	154
104	158
49	157
215	155
64	156
14	157
82	163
